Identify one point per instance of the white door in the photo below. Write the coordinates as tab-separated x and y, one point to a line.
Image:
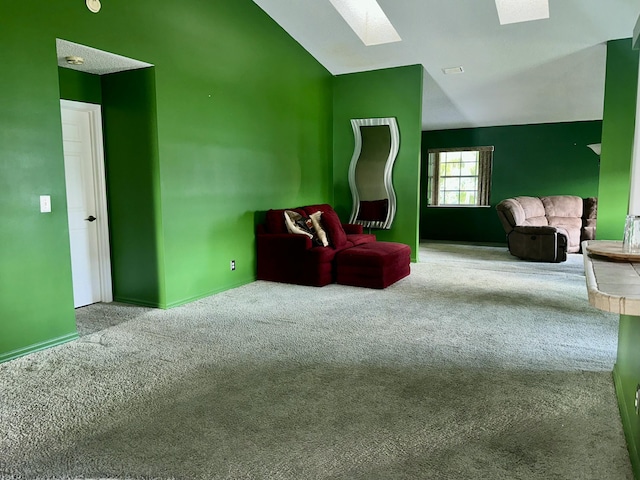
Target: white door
86	202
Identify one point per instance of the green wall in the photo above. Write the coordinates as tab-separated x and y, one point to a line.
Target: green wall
79	86
243	122
133	187
531	160
395	92
617	138
36	299
617	151
626	375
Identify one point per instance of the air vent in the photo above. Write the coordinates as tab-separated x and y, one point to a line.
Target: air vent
452	70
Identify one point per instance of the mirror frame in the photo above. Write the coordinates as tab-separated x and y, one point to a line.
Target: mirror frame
356	123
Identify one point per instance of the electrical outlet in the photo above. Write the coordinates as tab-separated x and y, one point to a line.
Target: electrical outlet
636	402
233	264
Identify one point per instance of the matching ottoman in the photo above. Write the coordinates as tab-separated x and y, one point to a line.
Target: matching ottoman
373	265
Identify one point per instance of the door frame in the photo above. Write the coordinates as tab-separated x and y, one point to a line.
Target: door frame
100	190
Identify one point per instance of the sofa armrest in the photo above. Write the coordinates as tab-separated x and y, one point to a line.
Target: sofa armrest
352	228
538	243
536	230
284	241
279	256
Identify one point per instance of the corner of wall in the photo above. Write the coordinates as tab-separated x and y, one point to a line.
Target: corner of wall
618	128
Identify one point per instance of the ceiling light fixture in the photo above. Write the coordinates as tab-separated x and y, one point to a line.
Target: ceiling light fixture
93	5
596	147
453	70
515	11
73	60
367	20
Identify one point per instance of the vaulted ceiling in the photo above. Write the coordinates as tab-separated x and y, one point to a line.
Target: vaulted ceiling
543	71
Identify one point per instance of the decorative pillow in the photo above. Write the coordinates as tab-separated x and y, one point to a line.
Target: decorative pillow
317	225
333	226
330	223
296	223
274	220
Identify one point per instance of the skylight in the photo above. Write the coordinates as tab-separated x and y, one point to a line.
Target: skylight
515	11
367	20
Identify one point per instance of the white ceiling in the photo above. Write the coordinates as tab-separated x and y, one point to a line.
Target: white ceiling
96	62
535	72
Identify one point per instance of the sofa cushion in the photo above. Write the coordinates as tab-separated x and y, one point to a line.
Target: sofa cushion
566	211
563	206
573	227
536	222
274	220
301	224
373	265
352	228
360	238
590	208
331	223
296	223
532	207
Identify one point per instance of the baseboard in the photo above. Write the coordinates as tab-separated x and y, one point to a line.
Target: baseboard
626	424
36	347
137	301
200	296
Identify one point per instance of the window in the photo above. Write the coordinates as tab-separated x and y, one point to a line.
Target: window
459	176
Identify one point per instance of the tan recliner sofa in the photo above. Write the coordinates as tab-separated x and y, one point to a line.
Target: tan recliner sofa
545	229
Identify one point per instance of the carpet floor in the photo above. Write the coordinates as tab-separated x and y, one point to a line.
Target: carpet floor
476	366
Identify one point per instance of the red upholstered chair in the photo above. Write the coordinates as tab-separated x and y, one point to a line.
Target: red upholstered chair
293	258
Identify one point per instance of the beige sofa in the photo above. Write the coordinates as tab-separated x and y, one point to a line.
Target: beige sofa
547	228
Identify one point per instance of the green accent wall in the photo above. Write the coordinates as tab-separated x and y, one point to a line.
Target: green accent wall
133	186
394	92
529	160
243	119
618	125
36	299
618	128
245	128
626	375
79	86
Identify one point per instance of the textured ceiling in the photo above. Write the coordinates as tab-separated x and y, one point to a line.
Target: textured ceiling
535	72
96	61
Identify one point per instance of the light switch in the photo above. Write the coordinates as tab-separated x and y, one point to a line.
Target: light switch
45	203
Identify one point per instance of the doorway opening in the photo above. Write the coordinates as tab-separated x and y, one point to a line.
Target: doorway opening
113	188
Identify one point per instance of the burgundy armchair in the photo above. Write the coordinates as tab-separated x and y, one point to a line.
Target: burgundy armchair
293	258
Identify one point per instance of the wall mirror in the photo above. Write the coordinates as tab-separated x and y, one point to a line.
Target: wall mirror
377	141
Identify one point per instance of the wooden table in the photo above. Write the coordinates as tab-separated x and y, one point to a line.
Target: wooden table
613	277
